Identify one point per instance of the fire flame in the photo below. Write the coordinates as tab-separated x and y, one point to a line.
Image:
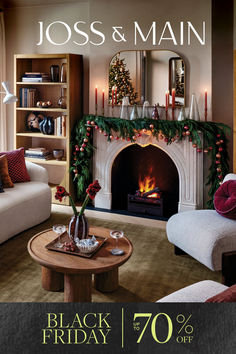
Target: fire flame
147	184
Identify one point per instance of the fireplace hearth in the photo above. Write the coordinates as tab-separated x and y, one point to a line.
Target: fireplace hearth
186	192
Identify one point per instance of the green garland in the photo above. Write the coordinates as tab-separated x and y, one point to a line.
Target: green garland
211	134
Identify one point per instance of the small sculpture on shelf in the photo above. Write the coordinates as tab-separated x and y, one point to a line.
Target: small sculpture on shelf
33	121
44	104
155	114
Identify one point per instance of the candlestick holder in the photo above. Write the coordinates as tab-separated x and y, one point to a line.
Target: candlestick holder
166	114
103	111
173	114
96	109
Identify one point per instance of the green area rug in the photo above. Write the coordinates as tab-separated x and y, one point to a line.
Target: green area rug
152	272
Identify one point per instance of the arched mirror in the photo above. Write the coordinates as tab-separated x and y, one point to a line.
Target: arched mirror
146	75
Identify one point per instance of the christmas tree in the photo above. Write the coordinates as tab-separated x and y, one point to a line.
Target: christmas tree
119	78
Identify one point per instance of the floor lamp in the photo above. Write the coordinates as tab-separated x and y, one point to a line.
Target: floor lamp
9	98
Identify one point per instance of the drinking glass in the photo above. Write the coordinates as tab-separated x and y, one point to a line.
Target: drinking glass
116	234
59	229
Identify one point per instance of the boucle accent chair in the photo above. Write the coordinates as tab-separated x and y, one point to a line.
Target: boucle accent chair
198	292
208	237
25	205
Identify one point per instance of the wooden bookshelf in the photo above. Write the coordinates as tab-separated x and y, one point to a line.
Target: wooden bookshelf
49	91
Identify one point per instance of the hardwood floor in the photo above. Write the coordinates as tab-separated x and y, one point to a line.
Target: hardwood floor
113	217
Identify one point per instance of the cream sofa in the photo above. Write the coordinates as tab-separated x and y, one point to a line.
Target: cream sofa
25	205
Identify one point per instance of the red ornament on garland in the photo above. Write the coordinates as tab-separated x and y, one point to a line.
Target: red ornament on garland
221	141
81	149
218	135
96	127
218	169
88	129
220	149
88	122
220	177
188	132
85	140
217	162
218	156
166	140
199	150
83	145
205	151
186	127
183	133
87	134
194	145
151	126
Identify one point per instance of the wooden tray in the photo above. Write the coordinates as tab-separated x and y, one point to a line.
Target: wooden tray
65	238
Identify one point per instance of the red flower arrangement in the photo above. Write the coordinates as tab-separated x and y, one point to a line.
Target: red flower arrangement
91	191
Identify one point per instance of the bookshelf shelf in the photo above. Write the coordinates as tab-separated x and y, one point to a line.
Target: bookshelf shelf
40	135
46	162
64	84
37	109
58	170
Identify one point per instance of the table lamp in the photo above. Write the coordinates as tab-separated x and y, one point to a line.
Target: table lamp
9	98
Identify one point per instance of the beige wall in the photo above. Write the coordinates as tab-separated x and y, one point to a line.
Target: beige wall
23	34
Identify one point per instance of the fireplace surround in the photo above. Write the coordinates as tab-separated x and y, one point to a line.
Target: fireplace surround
188	162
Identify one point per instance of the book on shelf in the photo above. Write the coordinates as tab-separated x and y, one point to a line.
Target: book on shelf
60	126
40	157
27	97
37	149
39	154
35	77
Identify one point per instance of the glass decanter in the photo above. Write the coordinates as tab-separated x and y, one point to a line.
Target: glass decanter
62	100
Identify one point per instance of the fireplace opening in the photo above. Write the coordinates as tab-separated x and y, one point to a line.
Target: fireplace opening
145	181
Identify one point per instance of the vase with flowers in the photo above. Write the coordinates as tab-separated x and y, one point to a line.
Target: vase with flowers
78	226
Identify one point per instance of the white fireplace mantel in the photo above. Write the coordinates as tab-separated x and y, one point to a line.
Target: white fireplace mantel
188	161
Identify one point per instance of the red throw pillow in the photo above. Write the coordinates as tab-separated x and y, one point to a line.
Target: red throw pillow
228	295
16	165
225	199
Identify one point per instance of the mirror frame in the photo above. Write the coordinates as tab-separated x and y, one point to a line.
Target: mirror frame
178	56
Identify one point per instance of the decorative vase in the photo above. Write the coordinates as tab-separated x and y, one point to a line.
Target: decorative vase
134	113
145	113
181	115
63	72
124	113
62	100
54	70
47	126
193	111
78	228
155	114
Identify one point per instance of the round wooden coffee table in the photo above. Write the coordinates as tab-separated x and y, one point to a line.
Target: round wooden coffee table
74	273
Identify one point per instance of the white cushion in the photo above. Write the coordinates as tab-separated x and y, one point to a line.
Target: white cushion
198	292
203	234
26	204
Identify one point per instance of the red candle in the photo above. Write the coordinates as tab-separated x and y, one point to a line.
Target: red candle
96	95
112	97
173	98
168	98
103	94
205	105
115	95
166	101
